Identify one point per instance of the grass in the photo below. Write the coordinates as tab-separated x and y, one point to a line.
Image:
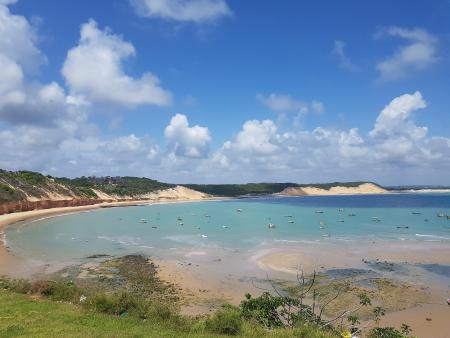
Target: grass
24	316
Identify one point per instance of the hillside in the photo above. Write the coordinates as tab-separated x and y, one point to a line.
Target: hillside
353	188
291	189
31	186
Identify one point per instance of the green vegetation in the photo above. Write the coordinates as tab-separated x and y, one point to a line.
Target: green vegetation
232	190
123	297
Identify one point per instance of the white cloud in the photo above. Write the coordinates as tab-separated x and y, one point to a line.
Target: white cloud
94	70
18	40
394	118
418	54
197	11
394	146
344	61
187	141
286	103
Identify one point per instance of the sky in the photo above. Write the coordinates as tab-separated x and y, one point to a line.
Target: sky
227	91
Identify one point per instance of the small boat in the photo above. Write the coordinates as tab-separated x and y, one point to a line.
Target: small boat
340	209
322	223
207	216
376	219
143	220
426	219
351	215
179	218
416	213
271	226
181	223
290	221
341	221
448	216
289	216
204	236
319	211
321	227
402	227
440	214
238	210
225	226
326	235
154	227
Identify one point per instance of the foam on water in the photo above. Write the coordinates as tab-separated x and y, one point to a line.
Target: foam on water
119	230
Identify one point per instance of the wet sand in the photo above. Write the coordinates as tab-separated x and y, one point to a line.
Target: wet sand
207	279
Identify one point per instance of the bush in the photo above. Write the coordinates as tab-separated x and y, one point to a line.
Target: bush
16	285
55	290
385	332
225	321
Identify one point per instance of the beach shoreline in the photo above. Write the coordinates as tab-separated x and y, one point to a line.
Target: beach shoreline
8	259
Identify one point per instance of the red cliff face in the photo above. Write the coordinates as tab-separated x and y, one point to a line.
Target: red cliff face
7	208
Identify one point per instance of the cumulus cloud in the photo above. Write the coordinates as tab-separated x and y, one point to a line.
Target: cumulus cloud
395	144
286	103
344	60
394	119
197	11
417	54
94	69
187	141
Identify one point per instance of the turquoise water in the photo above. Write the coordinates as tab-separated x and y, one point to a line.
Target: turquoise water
218	224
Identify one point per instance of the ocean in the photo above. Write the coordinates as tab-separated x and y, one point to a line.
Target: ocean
234	225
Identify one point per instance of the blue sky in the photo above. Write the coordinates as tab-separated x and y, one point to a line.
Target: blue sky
264	90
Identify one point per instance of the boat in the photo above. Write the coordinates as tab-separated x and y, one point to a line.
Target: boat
340	209
181	223
238	210
290	221
321	227
154	227
271	226
204	236
416	213
289	216
376	219
179	218
225	226
448	216
326	235
440	214
402	227
341	221
319	211
322	223
351	215
143	220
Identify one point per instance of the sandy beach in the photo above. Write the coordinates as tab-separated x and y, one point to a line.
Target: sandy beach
207	279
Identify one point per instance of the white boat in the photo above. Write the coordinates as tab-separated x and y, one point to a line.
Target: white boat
319	211
271	226
326	235
204	236
225	226
290	221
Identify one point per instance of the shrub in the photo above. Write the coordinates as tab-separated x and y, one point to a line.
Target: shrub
225	321
385	332
16	285
55	290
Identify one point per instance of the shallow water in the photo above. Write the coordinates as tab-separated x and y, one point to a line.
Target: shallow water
214	225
